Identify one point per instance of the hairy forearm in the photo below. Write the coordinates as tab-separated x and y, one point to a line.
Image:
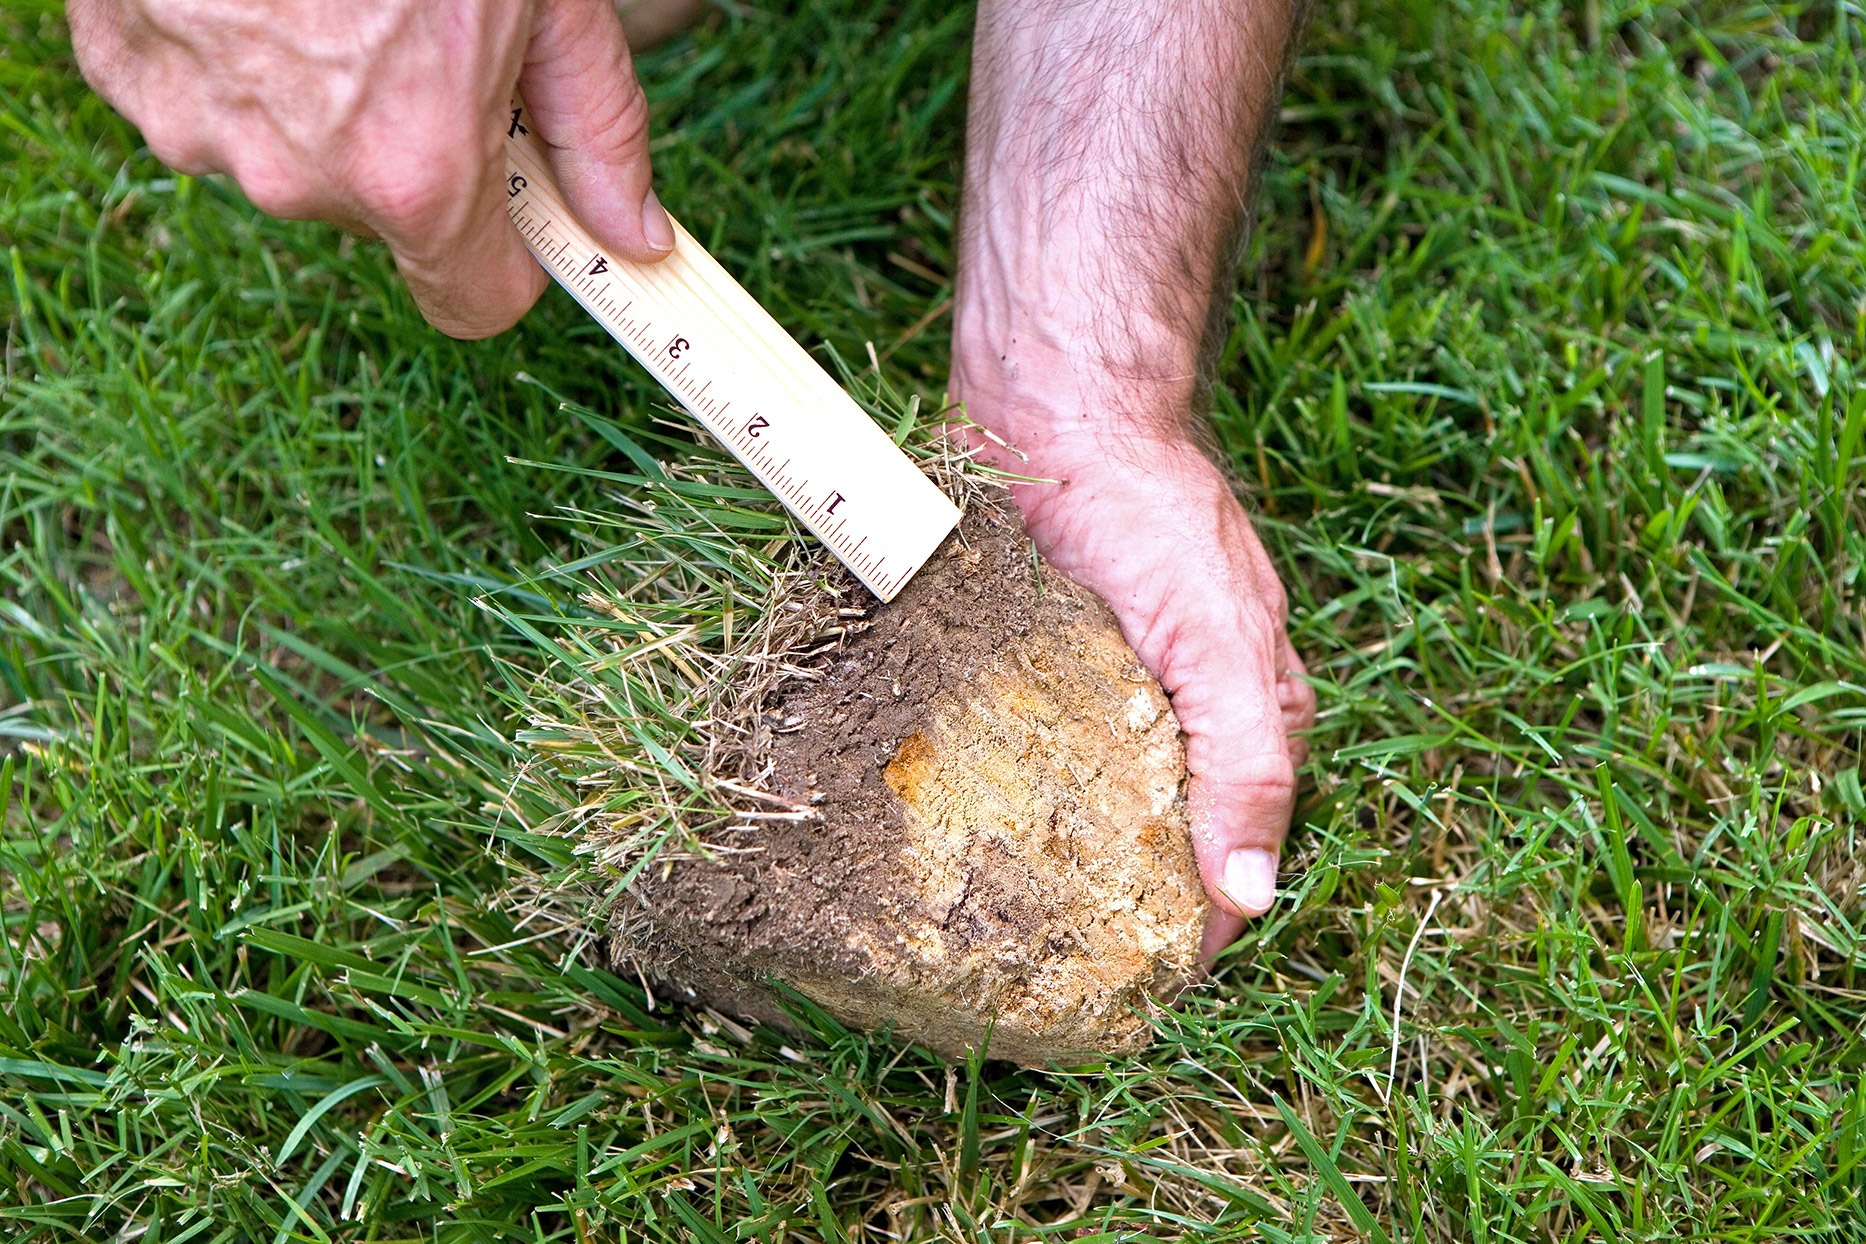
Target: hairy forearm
1109	158
1108	164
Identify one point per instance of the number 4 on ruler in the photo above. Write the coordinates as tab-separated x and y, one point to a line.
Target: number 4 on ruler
741	375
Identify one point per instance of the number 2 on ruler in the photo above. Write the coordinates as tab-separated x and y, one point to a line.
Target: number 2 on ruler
710	343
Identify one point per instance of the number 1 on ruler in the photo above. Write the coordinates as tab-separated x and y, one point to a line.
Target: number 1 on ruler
737	371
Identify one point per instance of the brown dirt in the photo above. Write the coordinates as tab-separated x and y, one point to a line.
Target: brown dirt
995	828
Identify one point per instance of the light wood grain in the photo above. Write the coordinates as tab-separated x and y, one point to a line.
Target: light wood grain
747	381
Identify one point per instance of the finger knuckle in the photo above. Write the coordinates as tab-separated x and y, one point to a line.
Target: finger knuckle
1276	604
474	328
177	145
96	43
620	122
411	199
282	192
476	311
1271	776
1265	779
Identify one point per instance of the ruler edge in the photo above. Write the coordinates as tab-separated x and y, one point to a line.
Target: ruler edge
940	512
919	558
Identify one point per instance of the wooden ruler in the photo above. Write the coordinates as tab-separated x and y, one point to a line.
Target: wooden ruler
737	371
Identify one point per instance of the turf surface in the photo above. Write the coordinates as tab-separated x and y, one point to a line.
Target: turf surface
1545	379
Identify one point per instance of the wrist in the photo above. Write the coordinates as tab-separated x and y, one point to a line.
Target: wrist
1115	467
1059	403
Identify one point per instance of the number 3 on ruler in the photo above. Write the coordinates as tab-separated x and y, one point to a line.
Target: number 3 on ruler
806	440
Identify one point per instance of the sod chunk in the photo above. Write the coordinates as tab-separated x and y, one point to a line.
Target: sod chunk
978	835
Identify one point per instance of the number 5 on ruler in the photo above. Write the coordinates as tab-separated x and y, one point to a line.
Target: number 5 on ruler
741	375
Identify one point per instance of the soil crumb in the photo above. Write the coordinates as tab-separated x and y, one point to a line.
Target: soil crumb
985	828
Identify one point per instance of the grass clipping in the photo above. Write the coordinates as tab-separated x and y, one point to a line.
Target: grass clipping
959	816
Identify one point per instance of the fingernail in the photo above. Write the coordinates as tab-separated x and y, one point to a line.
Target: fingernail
1250	880
655	225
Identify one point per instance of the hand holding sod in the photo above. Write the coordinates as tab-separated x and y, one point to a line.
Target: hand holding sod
1110	148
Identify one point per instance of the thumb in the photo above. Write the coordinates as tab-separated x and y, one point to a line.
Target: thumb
1241	790
579	85
1240	812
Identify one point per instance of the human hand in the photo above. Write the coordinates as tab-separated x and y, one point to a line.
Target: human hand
1146	522
1108	161
386	119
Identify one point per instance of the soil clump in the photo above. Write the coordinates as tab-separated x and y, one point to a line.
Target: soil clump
982	835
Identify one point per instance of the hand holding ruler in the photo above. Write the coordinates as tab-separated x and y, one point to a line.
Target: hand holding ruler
737	371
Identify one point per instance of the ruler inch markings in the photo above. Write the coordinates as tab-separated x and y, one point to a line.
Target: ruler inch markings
717	350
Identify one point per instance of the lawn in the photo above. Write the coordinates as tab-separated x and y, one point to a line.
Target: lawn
1545	382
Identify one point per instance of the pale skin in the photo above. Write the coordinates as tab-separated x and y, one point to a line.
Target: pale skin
1109	152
